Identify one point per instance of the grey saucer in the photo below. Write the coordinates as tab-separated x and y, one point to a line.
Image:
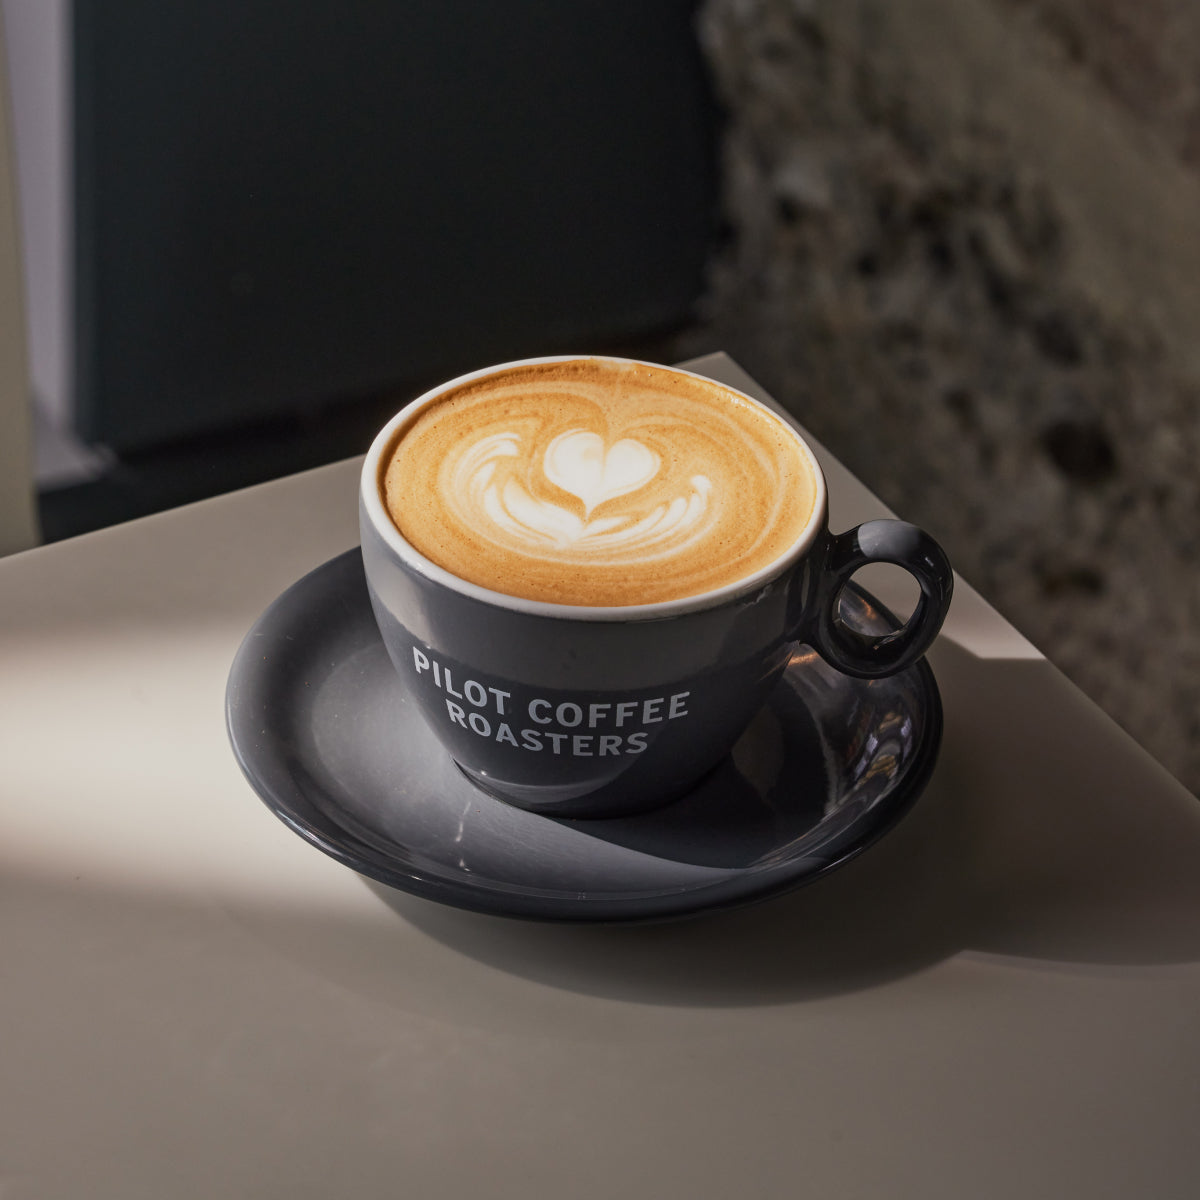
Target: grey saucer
321	728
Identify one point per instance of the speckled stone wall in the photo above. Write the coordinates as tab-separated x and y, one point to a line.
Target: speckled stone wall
963	245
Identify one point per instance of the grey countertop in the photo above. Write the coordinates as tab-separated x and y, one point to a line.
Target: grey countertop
997	999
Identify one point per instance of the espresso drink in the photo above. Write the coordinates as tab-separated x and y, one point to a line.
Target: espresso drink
598	482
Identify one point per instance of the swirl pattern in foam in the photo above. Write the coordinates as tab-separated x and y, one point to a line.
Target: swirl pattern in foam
598	482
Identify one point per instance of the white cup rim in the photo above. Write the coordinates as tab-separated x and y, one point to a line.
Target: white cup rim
372	505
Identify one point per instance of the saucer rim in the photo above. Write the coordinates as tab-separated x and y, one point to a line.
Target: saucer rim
373	862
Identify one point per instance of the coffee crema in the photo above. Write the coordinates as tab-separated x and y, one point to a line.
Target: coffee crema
598	483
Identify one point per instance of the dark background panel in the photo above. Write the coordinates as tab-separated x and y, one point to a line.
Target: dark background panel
280	206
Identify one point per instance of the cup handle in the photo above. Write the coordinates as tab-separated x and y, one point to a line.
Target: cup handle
863	655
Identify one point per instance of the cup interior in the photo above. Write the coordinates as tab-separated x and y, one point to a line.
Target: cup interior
375	512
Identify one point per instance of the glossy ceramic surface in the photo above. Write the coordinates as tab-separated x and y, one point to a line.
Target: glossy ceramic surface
324	733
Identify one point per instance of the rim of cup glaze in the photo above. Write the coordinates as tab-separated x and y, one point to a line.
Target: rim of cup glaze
371	488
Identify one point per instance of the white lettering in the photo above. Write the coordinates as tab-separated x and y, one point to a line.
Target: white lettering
557	718
420	661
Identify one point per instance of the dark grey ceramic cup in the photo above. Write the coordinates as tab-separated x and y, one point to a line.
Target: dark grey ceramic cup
602	712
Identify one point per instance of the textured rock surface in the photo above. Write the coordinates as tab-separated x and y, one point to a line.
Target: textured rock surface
963	245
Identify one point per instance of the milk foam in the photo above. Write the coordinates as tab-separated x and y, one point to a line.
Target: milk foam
580	464
598	483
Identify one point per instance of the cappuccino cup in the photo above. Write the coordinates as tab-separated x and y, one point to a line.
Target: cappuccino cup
590	572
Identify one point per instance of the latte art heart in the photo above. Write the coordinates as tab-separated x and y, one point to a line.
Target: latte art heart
580	463
595	482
